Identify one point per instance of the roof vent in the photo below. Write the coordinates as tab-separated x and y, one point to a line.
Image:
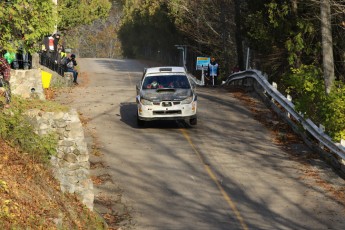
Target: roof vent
165	69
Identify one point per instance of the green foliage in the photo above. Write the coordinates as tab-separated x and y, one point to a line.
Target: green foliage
267	24
16	128
277	13
287	40
101	35
82	21
277	24
298	43
258	31
24	22
288	33
333	112
73	13
306	86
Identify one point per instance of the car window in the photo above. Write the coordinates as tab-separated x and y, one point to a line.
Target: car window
166	81
181	81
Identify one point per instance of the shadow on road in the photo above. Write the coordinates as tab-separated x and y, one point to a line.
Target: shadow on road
122	65
128	115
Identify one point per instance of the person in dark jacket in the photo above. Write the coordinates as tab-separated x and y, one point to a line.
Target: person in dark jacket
70	64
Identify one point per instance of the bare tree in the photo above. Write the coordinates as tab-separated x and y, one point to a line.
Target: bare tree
210	24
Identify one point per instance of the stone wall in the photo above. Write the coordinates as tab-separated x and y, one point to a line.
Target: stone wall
22	81
71	164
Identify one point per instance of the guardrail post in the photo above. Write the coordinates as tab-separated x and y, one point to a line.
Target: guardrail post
202	76
289	99
321	130
274	85
342	144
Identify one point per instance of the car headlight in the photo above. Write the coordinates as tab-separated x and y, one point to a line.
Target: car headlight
188	100
145	102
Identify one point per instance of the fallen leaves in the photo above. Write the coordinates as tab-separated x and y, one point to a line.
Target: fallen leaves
30	198
283	136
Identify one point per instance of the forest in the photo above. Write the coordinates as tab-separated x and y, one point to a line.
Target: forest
299	44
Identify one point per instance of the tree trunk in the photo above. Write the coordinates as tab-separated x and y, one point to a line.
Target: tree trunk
224	33
238	36
327	43
294	6
342	74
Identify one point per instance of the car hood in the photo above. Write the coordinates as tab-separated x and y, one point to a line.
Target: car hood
166	94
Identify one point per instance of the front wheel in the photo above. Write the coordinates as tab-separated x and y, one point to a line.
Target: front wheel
140	123
193	121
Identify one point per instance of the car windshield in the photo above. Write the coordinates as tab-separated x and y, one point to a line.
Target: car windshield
166	81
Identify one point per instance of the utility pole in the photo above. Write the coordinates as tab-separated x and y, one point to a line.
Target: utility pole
183	48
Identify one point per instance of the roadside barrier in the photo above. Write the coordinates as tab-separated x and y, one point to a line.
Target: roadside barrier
284	106
47	60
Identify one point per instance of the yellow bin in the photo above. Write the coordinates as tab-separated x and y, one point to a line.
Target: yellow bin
46	77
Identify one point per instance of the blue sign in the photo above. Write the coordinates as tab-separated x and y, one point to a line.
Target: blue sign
202	63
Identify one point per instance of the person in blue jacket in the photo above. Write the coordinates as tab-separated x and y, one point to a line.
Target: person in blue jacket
213	71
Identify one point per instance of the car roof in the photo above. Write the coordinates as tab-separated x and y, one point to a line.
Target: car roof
165	69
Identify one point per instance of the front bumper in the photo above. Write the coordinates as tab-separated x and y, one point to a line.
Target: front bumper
167	110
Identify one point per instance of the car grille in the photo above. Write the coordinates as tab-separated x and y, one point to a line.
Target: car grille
167	103
167	112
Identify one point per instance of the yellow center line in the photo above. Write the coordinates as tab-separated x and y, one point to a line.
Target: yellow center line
212	175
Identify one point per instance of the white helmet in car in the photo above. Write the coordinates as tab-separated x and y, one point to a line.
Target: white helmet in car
154	84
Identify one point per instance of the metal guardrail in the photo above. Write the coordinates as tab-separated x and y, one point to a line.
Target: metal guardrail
308	125
48	61
196	81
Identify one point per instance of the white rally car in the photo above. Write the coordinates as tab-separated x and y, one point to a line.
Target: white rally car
166	93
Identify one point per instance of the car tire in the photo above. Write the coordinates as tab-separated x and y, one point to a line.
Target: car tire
193	121
140	123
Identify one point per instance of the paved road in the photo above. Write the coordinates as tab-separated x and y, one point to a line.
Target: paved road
225	173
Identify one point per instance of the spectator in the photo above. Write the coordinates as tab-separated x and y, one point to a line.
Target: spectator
235	69
56	46
10	57
26	61
61	59
61	52
213	71
5	72
56	37
71	63
22	59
